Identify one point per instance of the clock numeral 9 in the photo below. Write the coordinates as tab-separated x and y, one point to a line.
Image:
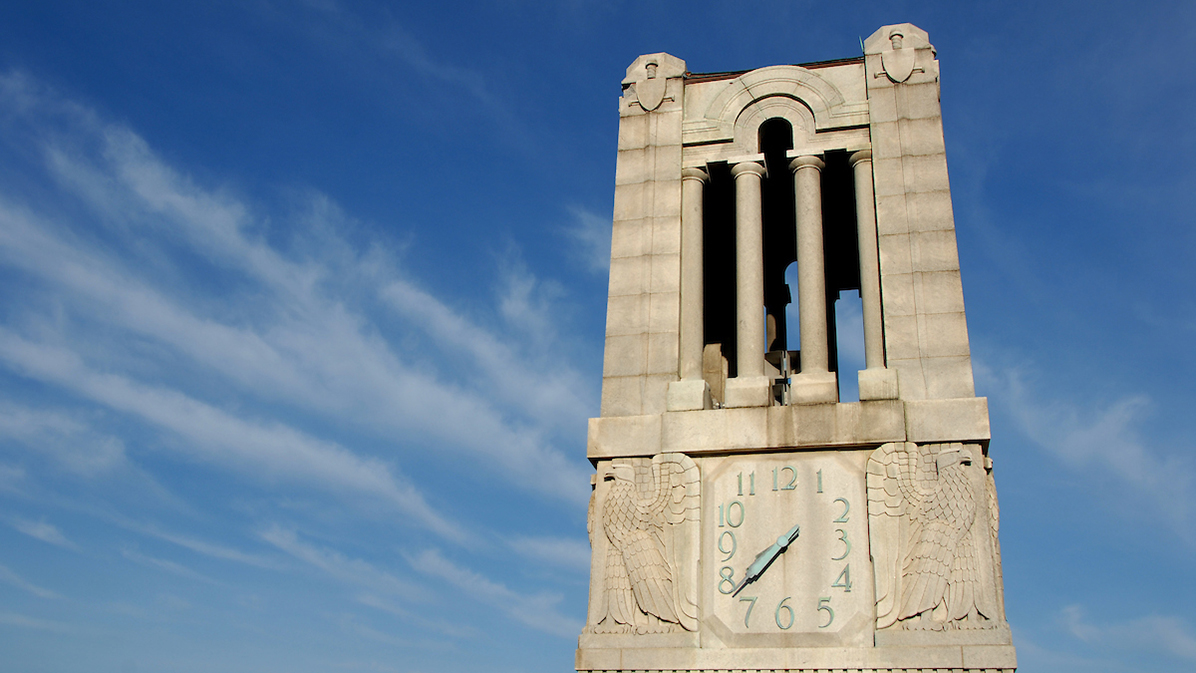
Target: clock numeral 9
729	552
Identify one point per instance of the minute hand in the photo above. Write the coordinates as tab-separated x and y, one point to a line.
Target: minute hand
766	557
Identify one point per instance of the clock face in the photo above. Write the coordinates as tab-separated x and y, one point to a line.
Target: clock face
818	589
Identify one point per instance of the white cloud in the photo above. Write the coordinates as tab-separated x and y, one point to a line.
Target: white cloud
293	330
23	621
538	611
259	450
1149	634
206	548
43	531
162	564
1105	438
568	553
72	443
7	575
592	235
348	570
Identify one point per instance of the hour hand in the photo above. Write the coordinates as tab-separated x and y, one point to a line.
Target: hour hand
766	557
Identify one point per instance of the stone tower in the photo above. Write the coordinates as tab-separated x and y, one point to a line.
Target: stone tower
744	517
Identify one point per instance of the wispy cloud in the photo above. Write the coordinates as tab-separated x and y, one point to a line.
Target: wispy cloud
7	575
26	622
43	531
538	611
568	553
352	571
1149	634
1103	437
591	234
171	567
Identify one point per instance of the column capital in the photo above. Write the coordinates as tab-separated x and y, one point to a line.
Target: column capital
753	167
694	173
860	157
806	160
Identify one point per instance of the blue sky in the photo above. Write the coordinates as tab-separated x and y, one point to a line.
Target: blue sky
304	308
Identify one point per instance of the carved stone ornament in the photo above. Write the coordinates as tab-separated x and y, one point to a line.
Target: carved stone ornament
646	84
898	61
650	90
645	513
932	512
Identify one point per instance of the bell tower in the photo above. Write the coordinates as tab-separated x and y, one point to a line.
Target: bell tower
744	516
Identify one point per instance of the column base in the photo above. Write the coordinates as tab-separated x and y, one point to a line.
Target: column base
878	384
749	391
814	388
688	395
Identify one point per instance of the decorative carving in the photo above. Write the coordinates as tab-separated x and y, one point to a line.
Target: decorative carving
645	514
646	84
932	514
898	62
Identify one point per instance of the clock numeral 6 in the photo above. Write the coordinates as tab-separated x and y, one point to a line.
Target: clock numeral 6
824	604
781	606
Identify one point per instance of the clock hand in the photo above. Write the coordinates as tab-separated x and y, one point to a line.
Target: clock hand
766	557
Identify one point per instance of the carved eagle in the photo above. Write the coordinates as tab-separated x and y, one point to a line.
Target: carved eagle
933	527
640	515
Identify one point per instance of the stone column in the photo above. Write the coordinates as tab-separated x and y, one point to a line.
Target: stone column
750	387
815	383
875	382
692	392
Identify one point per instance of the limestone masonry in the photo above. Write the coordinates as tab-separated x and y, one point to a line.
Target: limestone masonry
743	517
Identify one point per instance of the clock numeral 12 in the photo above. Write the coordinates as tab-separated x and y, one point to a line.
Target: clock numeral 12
792	478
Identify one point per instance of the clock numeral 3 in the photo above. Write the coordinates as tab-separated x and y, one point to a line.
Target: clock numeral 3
846	545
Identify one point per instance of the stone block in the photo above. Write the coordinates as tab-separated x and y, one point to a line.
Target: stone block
633	132
633	166
753	391
948	377
898	295
621	396
666	235
882	106
926	172
627	314
630	238
666	273
895	254
930	211
910	379
889	177
664	312
892	215
878	383
934	251
902	338
919	100
625	355
814	388
948	420
666	164
886	140
990	657
662	354
628	275
688	395
938	292
666	196
943	334
922	136
623	436
631	202
665	129
656	392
